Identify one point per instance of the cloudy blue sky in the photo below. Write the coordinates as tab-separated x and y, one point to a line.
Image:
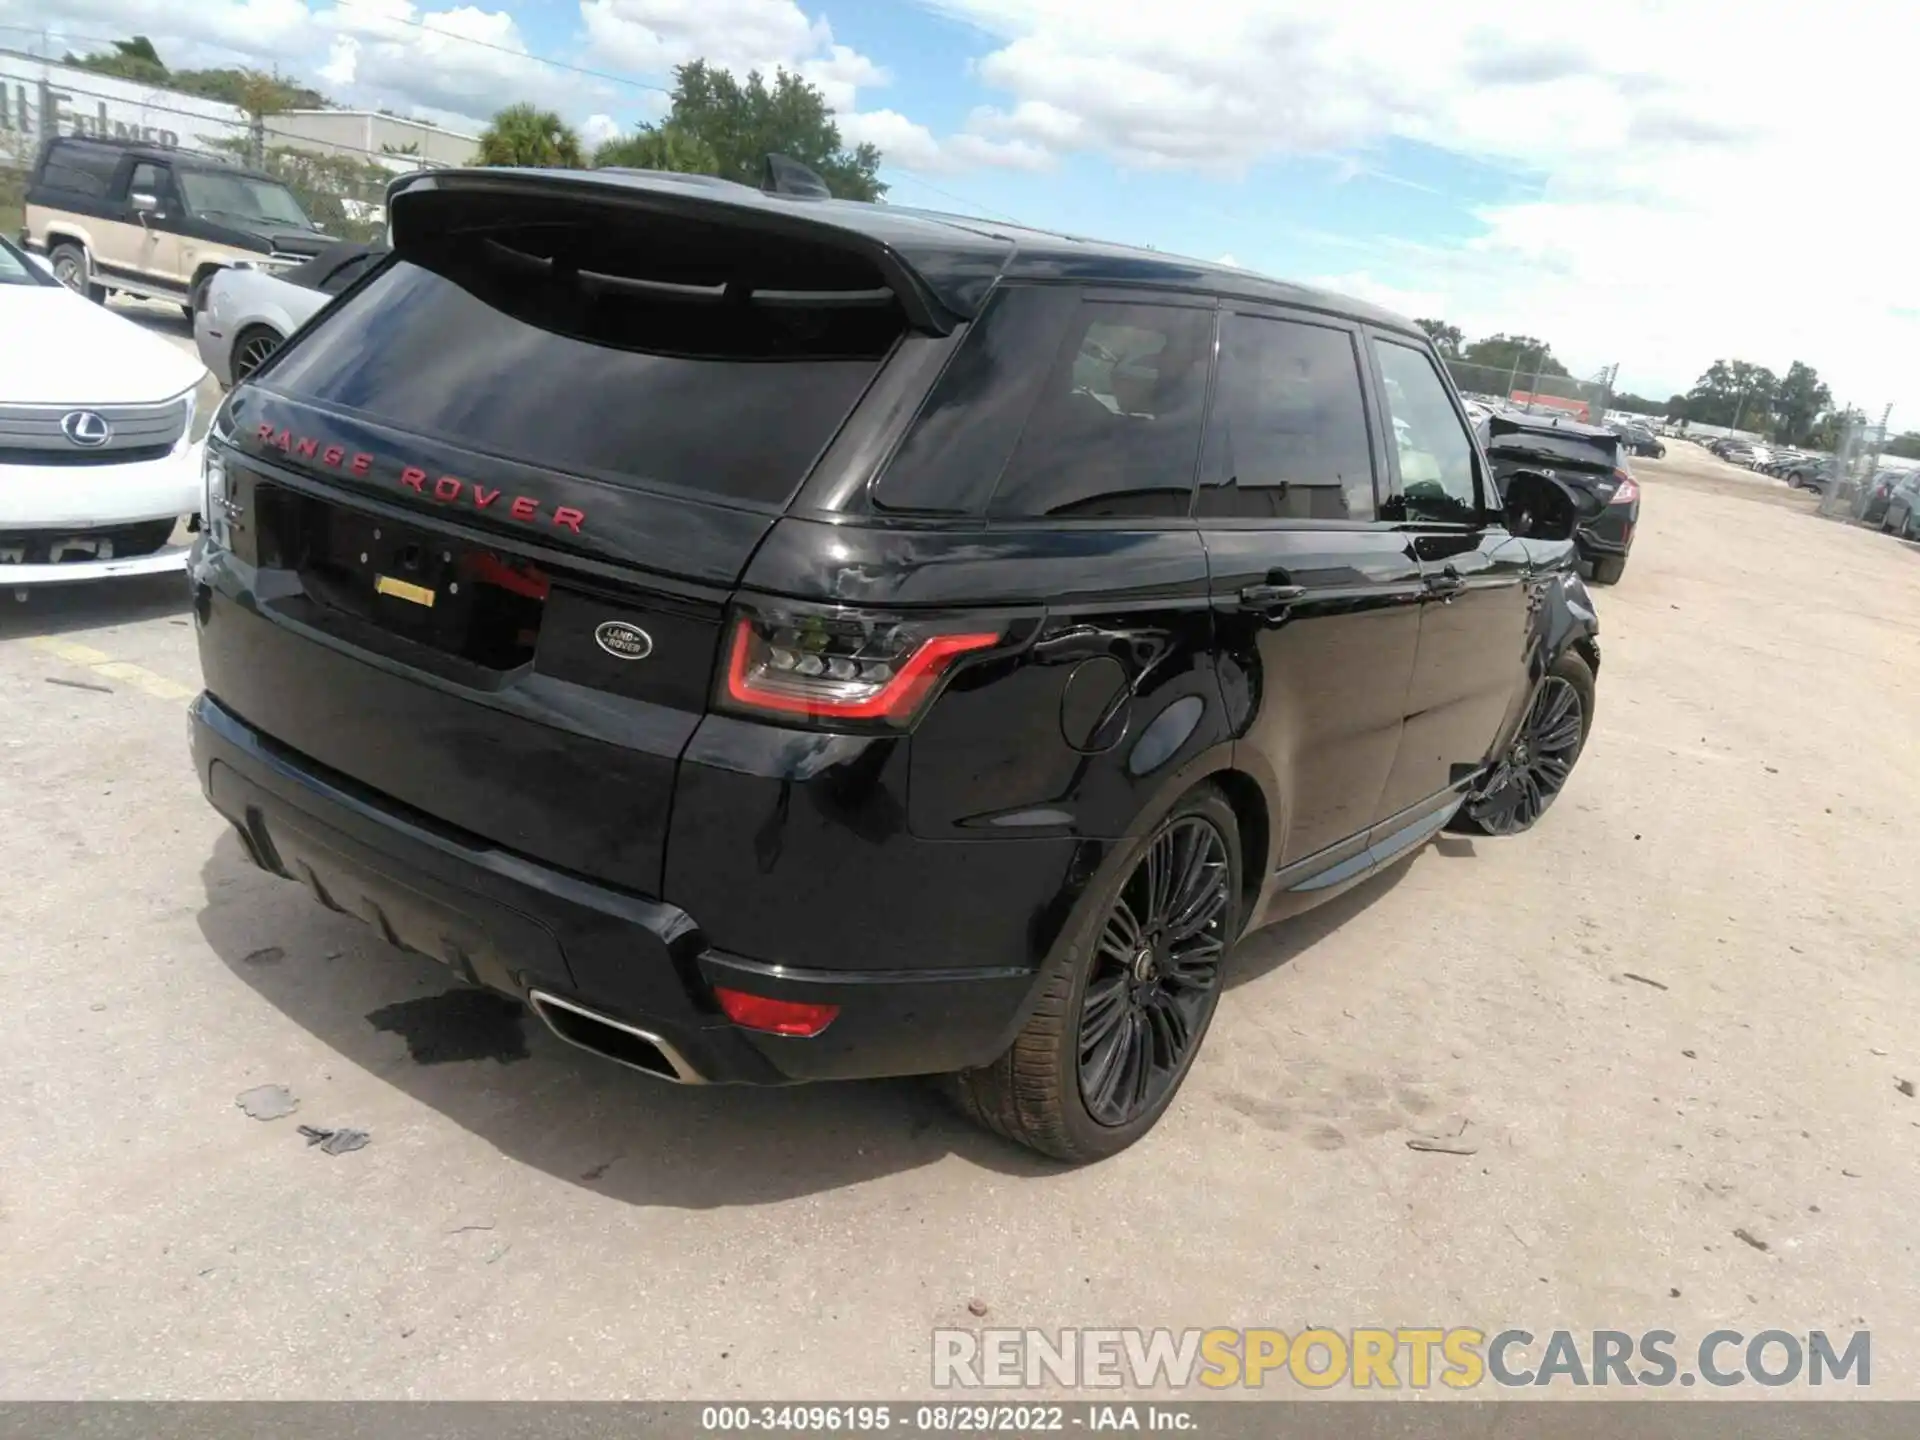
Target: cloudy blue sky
1647	183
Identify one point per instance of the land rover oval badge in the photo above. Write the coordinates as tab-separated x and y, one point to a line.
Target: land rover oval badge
623	641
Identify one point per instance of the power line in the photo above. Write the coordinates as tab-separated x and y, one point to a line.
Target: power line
911	175
422	24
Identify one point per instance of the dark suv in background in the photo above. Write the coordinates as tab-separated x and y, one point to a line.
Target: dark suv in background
1591	462
788	639
155	222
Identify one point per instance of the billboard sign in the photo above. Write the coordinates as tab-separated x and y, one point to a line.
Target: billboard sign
38	99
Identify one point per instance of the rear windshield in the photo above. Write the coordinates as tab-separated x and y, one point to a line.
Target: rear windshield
1549	446
590	346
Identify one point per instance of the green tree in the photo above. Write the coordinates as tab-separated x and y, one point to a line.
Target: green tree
134	59
1677	407
255	91
1446	338
529	136
1906	446
1734	393
659	147
1638	404
1520	355
741	123
1800	401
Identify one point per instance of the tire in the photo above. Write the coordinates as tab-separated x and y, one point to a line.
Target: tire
1542	755
252	347
1036	1094
73	268
1607	569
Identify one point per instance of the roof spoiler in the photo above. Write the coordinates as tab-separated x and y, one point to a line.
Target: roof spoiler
749	209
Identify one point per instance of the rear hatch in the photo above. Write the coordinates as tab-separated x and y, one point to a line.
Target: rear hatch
498	499
1590	463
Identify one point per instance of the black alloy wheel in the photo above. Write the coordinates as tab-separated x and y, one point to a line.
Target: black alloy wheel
1156	973
1541	757
252	352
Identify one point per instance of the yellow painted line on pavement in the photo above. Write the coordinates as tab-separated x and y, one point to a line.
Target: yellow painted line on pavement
135	677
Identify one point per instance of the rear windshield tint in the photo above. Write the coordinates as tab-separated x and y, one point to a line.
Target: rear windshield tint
532	344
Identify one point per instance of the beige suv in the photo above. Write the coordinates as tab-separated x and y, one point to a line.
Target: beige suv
157	223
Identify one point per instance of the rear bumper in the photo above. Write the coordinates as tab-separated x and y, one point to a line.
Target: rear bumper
513	925
1609	533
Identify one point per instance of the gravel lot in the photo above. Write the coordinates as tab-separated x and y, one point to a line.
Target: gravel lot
1677	1011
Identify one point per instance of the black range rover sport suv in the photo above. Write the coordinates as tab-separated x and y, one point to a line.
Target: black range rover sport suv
784	639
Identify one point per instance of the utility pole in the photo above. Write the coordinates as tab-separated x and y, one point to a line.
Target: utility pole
1514	374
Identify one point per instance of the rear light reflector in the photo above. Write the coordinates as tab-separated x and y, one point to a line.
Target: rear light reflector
834	667
1628	492
776	1017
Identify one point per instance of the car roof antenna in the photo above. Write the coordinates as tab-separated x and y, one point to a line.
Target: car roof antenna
784	176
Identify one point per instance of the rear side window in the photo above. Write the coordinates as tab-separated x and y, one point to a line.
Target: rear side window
1059	407
1115	432
80	170
602	346
1288	436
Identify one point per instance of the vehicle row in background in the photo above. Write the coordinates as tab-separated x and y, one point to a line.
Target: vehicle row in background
1902	499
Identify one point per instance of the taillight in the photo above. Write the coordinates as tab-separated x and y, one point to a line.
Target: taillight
1628	492
833	667
776	1017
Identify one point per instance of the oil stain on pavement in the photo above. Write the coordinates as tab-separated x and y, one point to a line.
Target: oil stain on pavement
456	1025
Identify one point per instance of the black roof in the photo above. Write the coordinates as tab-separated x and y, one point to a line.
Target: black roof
161	154
957	258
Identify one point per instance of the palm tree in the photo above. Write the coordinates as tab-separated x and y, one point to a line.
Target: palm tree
524	135
659	147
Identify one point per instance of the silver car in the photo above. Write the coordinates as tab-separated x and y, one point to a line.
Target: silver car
246	314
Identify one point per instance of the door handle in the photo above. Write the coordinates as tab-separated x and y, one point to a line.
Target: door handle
1447	584
1264	596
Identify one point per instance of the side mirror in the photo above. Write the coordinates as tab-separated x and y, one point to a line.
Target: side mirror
1539	507
144	204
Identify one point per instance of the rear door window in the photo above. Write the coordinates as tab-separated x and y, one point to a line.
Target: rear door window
1115	432
80	170
1062	407
1288	434
555	342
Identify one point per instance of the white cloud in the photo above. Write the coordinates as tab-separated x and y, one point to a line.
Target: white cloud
652	36
904	142
596	130
1704	188
458	64
911	146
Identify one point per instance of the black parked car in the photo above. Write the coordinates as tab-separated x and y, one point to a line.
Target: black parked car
1639	440
790	639
1809	472
1589	462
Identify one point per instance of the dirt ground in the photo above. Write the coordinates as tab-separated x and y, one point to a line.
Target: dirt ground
1676	1013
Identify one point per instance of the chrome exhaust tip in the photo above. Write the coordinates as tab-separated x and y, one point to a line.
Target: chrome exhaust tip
612	1039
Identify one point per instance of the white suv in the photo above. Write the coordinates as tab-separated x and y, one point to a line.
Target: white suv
98	462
